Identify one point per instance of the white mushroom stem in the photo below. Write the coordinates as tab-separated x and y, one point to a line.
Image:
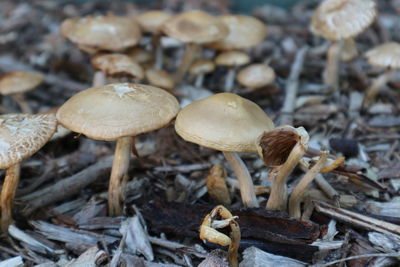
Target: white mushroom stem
190	52
7	195
99	79
156	45
22	103
299	190
376	86
247	191
278	198
199	80
331	72
230	79
119	175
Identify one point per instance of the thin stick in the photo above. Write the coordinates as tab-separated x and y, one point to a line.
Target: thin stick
7	195
396	255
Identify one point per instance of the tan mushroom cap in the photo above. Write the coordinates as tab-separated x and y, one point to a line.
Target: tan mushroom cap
386	55
139	54
21	135
232	58
61	131
160	78
225	122
202	66
244	32
19	81
117	65
195	27
341	19
153	20
108	32
118	110
256	76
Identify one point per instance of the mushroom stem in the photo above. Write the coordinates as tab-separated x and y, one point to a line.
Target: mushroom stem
278	198
190	52
99	79
22	103
376	85
156	44
247	191
199	81
299	190
230	79
234	246
7	195
119	175
331	74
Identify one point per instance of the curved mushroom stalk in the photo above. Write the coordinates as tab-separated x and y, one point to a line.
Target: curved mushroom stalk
331	72
284	147
376	86
7	195
247	191
298	192
190	52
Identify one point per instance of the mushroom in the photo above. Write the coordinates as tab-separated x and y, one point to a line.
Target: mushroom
61	131
385	56
193	28
152	22
159	78
256	76
21	135
228	123
15	83
283	147
199	68
232	59
338	20
118	112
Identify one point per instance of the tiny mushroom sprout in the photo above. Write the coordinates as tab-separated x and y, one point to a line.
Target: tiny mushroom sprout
233	60
228	123
152	22
200	67
21	135
338	20
119	112
256	76
385	56
282	147
16	83
193	28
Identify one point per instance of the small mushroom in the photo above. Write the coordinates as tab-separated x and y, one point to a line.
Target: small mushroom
16	83
232	60
338	20
193	28
121	112
228	123
159	78
256	76
199	68
21	135
385	56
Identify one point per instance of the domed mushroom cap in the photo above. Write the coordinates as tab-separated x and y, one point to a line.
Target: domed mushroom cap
244	32
225	122
195	27
19	81
117	110
109	32
201	66
256	76
117	65
21	135
386	55
160	78
341	19
232	58
152	21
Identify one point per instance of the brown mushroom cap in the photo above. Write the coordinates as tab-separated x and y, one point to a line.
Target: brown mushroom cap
202	66
232	58
195	27
386	55
118	110
244	32
225	122
117	65
21	135
108	32
19	81
341	19
152	21
256	76
160	78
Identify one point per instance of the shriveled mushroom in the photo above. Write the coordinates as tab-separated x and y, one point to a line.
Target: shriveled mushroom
228	123
121	111
256	76
21	135
16	83
200	67
232	60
